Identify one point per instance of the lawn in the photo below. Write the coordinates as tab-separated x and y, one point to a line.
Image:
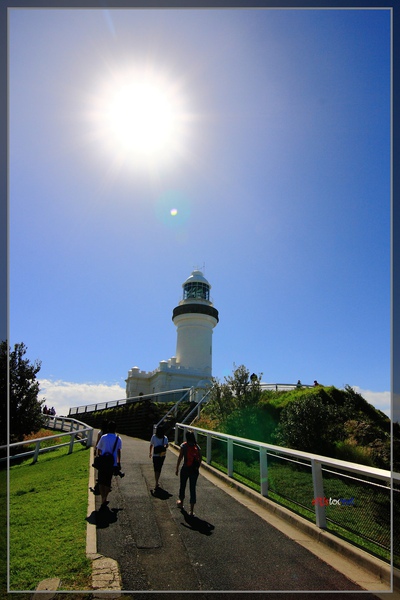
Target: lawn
47	520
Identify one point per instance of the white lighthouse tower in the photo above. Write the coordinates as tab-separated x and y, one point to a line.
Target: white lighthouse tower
195	318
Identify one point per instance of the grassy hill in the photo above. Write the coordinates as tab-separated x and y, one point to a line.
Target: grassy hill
322	420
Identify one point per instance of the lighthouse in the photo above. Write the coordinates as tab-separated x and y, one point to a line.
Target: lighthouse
194	318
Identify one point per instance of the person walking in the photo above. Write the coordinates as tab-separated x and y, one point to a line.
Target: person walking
190	454
158	450
103	430
110	444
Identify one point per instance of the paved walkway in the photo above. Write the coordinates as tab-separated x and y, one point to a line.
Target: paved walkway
232	544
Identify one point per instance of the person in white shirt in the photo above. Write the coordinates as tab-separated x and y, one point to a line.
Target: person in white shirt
110	443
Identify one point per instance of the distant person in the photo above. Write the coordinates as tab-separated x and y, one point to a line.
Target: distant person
110	443
103	431
190	453
53	411
158	449
298	384
45	411
316	384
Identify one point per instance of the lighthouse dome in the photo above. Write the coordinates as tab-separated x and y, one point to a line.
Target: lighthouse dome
196	275
196	286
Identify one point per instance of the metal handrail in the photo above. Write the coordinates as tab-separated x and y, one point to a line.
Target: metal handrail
174	409
316	461
113	403
285	386
76	428
120	402
197	407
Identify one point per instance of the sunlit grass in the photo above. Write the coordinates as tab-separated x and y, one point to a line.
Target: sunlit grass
47	521
296	485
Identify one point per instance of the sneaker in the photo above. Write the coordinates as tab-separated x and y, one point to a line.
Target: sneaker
179	504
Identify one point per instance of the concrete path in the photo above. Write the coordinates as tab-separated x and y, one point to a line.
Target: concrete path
232	544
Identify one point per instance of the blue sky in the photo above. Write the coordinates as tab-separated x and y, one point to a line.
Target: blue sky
278	166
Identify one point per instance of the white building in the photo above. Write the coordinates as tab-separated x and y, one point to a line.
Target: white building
194	318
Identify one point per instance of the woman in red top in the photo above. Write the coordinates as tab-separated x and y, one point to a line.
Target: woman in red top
190	453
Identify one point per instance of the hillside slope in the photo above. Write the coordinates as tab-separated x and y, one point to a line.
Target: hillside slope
322	420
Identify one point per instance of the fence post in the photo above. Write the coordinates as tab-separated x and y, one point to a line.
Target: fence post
176	434
209	448
320	512
89	438
35	456
230	457
263	472
71	444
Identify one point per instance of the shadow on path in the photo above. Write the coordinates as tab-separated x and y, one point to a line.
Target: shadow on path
160	493
104	517
197	524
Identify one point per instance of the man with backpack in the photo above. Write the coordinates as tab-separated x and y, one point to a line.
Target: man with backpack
109	446
190	453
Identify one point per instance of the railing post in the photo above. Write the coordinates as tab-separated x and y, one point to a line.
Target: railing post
35	456
263	472
89	438
230	457
319	498
176	434
71	444
208	448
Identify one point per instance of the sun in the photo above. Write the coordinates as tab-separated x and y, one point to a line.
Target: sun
141	116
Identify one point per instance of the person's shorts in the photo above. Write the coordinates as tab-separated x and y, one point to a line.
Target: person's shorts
158	462
104	476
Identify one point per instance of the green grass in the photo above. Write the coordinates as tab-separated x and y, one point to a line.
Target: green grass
47	520
292	488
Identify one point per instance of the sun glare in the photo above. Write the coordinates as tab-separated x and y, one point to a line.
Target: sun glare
141	117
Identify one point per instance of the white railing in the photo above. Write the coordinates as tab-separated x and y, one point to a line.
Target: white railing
282	387
77	432
174	409
160	396
190	418
114	403
315	461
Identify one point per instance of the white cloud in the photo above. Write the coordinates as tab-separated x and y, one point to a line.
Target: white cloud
64	395
381	400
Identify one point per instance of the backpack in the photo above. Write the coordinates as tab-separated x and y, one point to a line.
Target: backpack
192	455
105	461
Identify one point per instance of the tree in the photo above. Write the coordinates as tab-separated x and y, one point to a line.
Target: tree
246	388
311	424
25	411
239	390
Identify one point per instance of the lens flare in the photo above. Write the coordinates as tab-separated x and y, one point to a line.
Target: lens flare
180	210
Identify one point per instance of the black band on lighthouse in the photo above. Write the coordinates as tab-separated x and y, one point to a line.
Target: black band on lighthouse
195	308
